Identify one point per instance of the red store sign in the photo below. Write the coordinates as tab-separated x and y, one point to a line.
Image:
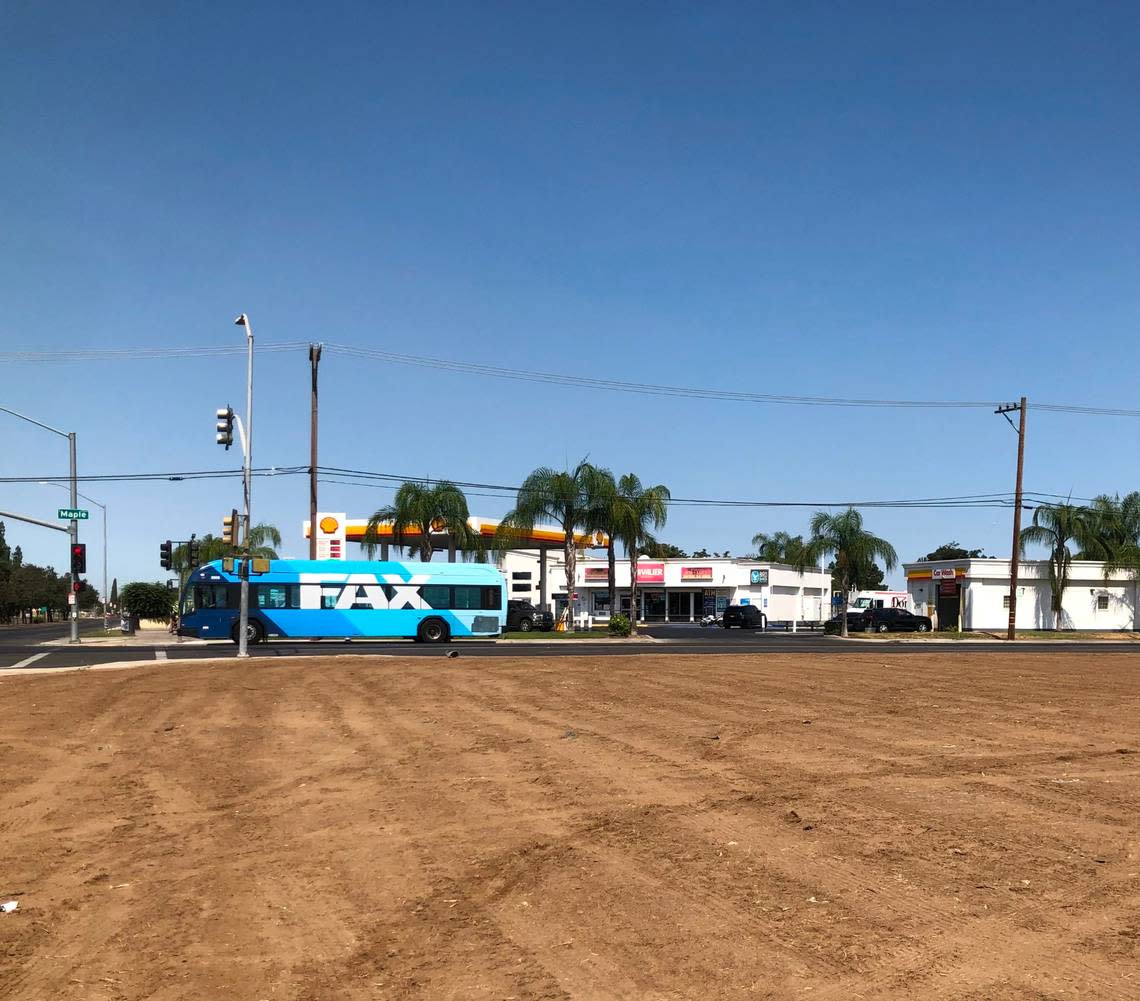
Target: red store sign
651	573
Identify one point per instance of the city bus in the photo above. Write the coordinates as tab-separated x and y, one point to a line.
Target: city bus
318	599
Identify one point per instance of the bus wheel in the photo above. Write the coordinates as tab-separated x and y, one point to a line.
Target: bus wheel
433	631
253	632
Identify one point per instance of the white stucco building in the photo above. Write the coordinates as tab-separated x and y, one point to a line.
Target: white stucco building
977	591
675	590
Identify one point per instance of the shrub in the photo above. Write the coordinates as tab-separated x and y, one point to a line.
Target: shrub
148	601
619	624
831	628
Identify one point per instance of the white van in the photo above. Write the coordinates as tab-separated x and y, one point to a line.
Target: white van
862	600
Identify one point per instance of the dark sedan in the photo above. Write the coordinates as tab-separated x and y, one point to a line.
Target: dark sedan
895	620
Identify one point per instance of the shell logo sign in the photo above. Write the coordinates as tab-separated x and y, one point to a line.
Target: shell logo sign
331	540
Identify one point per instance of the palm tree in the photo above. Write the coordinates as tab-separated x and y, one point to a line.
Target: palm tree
779	548
420	509
264	540
1114	527
636	509
842	535
603	515
569	499
1055	526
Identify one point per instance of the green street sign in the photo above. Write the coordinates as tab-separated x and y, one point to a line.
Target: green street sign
72	514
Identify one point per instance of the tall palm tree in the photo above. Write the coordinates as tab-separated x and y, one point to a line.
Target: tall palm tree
420	509
603	515
779	547
842	536
568	499
1055	526
637	509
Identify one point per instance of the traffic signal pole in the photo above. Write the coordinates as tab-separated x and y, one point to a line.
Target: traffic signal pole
74	537
247	449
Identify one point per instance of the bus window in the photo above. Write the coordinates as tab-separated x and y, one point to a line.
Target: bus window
211	596
436	595
492	597
274	596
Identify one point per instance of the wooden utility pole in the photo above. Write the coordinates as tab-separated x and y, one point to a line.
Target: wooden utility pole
314	362
1014	563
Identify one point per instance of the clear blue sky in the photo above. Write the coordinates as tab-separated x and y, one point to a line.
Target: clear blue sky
918	201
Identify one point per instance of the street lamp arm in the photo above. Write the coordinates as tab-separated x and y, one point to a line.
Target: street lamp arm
32	420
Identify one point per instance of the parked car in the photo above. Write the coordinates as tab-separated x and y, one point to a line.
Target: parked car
854	622
522	617
744	616
894	620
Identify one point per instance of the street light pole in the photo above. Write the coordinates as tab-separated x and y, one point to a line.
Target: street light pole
247	448
73	529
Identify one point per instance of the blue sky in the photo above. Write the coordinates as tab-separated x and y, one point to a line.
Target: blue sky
904	201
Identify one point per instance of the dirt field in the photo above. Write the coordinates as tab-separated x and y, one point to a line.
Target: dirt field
844	827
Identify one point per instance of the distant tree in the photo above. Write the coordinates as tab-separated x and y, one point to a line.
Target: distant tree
115	593
148	601
855	550
1113	532
417	511
952	551
17	556
665	551
605	510
701	554
779	548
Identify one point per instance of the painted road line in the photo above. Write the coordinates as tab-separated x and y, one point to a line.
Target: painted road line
160	655
28	661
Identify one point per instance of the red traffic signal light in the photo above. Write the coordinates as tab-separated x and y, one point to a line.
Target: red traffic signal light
78	558
77	586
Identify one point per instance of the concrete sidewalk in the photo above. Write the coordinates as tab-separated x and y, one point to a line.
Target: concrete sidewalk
147	638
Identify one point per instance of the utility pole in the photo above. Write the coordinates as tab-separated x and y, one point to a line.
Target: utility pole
1015	558
314	362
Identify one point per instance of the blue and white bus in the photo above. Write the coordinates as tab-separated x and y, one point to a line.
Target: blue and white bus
311	599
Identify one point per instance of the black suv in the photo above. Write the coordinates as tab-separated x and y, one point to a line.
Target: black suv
522	617
744	616
894	620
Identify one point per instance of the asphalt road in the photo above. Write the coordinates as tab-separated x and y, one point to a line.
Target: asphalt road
21	647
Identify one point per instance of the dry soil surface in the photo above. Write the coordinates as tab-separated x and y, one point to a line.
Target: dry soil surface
839	827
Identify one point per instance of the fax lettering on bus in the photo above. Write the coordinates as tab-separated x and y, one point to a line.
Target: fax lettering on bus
362	590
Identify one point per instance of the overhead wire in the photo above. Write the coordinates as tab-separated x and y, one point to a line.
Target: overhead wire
88	354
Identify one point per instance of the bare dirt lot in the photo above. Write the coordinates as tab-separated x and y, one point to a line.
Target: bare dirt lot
640	827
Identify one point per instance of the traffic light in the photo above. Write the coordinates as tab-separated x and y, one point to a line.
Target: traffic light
192	551
226	426
166	555
78	559
230	528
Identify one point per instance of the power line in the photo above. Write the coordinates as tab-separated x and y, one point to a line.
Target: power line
140	354
374	478
643	388
548	378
